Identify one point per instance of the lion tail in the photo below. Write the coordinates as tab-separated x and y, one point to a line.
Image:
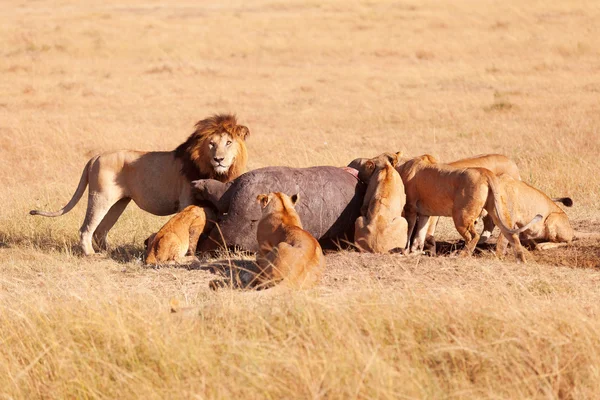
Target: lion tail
566	201
493	184
83	182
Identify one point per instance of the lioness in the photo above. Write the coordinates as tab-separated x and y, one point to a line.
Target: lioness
287	253
497	164
381	227
441	190
158	181
179	235
524	201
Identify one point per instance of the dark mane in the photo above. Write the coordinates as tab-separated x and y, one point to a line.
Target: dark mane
194	164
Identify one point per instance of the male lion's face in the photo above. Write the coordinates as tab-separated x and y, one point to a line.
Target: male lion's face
223	149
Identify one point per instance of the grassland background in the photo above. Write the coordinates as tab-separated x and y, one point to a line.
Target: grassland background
317	83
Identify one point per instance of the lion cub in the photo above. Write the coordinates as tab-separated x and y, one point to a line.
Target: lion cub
287	253
381	227
178	236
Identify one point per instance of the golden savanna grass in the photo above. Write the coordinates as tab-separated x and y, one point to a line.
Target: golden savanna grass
317	83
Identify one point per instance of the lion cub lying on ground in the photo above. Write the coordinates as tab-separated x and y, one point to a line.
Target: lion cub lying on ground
381	227
287	253
523	203
178	236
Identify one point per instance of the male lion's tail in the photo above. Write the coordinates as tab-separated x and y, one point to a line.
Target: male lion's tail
493	184
83	182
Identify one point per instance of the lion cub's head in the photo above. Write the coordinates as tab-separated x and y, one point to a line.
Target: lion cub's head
216	150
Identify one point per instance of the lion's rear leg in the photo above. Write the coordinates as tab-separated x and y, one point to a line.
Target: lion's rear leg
98	208
504	240
108	222
465	225
501	246
517	248
488	227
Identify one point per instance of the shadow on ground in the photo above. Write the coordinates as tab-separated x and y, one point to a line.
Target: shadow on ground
234	273
126	253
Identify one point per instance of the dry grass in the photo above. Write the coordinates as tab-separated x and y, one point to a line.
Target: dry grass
317	83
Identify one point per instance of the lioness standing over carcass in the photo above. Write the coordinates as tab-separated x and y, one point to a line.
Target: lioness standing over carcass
440	190
158	181
498	164
381	227
178	236
523	202
287	253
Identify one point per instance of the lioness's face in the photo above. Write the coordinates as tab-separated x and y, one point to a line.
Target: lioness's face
366	167
276	201
223	149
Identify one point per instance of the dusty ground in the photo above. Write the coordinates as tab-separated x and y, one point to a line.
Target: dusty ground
317	84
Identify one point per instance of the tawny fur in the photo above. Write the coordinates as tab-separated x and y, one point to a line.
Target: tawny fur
159	181
441	190
497	164
287	254
381	227
523	202
179	236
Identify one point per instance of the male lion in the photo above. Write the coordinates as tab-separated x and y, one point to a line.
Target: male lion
441	190
523	201
178	236
381	227
287	253
158	181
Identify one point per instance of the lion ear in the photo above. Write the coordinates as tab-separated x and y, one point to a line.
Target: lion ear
263	200
431	158
396	159
294	198
391	157
243	131
370	164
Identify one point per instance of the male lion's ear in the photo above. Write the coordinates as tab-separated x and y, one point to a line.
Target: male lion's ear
243	131
263	200
294	198
370	165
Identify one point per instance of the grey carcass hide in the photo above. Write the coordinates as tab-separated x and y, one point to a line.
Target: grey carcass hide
330	201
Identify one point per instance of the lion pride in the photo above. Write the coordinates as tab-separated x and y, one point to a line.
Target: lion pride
434	189
287	253
381	226
157	181
498	164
